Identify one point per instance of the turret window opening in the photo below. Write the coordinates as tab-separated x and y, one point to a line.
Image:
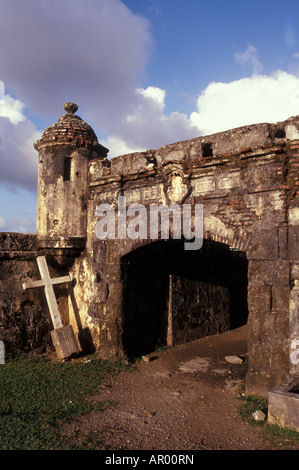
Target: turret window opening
67	169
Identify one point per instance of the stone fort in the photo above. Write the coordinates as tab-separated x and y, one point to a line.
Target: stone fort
126	295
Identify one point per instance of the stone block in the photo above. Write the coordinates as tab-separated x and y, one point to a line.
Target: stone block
294	216
261	177
294	242
280	299
294	312
264	245
172	152
259	298
268	362
64	341
95	170
202	186
133	162
267	208
283	241
261	272
243	137
282	273
291	132
283	404
230	181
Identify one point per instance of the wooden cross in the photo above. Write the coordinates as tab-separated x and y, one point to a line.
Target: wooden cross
63	337
47	282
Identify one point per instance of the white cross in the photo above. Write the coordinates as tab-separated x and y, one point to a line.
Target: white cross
47	282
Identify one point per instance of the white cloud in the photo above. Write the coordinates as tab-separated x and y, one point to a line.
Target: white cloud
87	51
221	106
18	159
92	52
250	55
10	108
118	146
147	126
155	94
22	224
3	223
18	223
260	98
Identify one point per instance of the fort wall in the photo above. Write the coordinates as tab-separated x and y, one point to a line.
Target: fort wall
246	180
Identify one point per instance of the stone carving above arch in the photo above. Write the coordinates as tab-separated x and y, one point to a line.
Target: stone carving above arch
176	184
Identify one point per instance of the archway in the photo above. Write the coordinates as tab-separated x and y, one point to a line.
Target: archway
172	296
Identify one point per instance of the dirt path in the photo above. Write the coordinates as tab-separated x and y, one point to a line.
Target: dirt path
183	399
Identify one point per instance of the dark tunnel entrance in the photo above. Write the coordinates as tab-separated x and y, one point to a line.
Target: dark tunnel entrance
171	295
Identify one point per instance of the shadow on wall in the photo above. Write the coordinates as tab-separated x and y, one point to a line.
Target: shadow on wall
63	293
172	296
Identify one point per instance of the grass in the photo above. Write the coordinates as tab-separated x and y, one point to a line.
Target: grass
274	437
250	404
36	396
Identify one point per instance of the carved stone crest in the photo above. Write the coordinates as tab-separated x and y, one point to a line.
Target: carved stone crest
177	184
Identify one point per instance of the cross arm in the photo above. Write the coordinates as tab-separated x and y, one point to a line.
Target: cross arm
30	284
42	283
60	280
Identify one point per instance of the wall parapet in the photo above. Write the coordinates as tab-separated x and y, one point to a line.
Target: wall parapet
250	140
18	245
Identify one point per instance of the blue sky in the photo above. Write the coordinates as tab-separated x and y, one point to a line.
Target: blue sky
144	73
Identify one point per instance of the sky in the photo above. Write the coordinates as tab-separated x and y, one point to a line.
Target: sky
144	73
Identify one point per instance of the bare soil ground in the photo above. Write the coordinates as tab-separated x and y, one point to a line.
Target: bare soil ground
183	399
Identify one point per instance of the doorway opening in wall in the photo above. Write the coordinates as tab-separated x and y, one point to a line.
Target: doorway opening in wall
172	296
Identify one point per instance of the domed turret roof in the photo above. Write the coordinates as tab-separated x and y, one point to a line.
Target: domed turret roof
71	130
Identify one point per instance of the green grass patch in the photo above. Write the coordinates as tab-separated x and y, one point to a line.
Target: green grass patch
249	404
36	396
274	437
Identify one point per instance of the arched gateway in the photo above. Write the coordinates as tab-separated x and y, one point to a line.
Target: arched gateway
134	284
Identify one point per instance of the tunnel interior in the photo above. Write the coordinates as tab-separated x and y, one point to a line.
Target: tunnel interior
171	295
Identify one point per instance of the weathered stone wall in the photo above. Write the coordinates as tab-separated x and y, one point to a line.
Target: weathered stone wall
247	180
197	309
65	149
293	254
62	198
24	324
